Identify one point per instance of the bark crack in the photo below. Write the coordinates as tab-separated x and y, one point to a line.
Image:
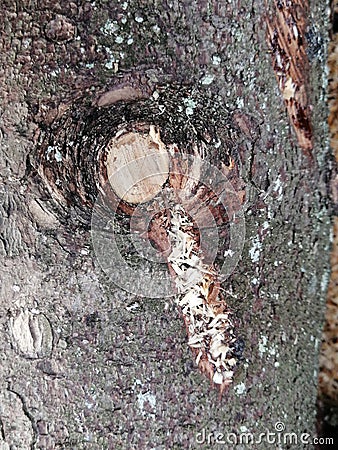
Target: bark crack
27	413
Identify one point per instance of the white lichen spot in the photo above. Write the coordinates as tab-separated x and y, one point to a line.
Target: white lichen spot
331	236
273	351
119	39
207	79
110	64
89	405
58	156
156	29
130	41
124	20
243	429
255	250
124	6
109	28
265	225
325	281
139	19
278	188
216	60
150	399
49	151
262	346
240	389
156	95
27	42
90	65
240	102
190	106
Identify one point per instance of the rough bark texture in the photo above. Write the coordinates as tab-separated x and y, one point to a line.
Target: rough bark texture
81	369
328	392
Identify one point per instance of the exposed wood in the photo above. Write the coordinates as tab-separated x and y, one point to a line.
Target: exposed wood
286	37
137	166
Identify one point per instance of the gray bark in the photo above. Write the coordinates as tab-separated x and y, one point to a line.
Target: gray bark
80	369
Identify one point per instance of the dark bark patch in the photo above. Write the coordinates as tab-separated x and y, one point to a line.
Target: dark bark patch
71	152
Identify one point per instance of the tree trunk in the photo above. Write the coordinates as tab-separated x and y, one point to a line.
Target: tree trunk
88	361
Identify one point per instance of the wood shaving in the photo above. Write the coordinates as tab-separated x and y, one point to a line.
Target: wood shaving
207	318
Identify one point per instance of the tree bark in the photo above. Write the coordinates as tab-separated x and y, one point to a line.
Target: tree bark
87	364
